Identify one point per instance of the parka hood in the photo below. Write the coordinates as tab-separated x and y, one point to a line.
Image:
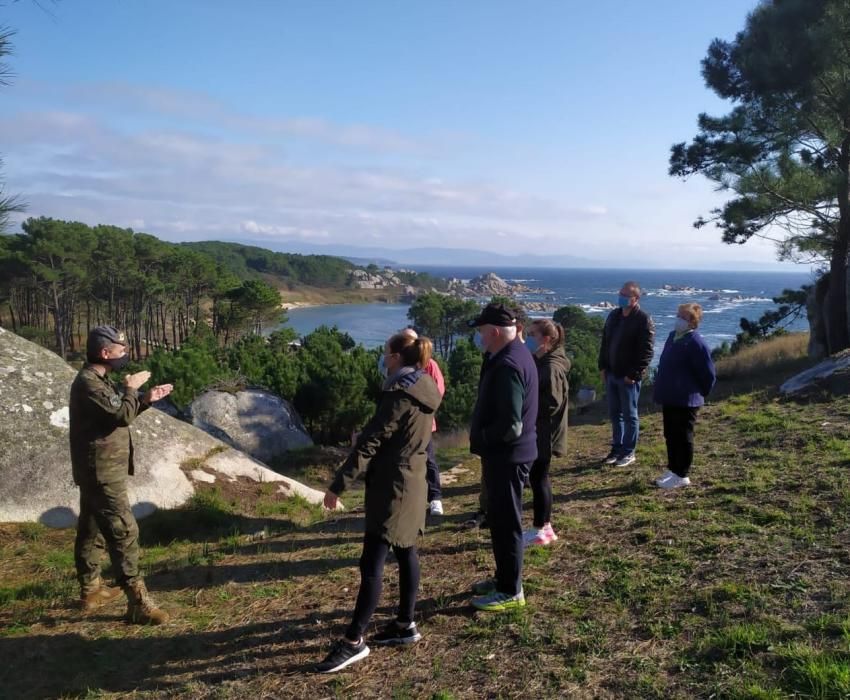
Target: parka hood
421	388
555	358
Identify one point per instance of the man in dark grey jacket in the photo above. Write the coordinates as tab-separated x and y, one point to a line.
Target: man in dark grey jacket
628	342
503	433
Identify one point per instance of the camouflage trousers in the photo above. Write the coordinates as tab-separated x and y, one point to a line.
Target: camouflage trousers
106	522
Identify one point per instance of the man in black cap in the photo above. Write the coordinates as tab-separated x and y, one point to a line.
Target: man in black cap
503	433
101	459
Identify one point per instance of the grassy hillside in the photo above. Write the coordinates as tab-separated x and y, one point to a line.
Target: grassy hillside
738	587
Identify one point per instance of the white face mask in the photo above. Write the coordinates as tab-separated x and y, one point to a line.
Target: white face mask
681	325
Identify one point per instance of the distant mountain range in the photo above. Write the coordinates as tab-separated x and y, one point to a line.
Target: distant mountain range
461	257
468	257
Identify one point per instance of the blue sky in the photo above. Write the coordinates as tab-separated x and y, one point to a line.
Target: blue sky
516	127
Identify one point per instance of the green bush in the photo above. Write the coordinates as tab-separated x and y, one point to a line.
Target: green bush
583	336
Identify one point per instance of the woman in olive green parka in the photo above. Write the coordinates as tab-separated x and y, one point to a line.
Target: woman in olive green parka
546	342
390	454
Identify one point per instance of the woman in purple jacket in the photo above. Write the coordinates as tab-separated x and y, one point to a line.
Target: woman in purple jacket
684	378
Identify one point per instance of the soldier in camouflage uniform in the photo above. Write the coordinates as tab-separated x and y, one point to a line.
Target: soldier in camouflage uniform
101	459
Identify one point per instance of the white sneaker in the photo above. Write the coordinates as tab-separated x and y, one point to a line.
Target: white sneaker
666	475
436	508
675	482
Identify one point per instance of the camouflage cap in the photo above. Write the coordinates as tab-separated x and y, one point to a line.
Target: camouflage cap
101	337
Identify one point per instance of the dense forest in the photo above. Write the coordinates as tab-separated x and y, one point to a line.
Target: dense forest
58	279
293	270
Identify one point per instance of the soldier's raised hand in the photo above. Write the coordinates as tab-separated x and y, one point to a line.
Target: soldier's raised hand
134	381
158	392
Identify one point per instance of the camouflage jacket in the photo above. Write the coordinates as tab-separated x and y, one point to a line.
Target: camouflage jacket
100	413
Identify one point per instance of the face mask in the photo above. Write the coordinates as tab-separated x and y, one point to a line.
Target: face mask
117	363
479	341
681	325
623	301
532	344
382	367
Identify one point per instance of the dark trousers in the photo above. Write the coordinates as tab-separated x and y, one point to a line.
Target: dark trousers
504	482
372	561
106	522
432	474
679	435
541	487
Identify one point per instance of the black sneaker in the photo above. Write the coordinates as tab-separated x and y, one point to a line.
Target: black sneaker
611	457
392	634
342	654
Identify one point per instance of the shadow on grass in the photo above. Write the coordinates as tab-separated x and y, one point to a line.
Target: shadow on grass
596	494
220	574
73	665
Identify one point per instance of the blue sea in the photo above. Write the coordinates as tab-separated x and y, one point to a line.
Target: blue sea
726	297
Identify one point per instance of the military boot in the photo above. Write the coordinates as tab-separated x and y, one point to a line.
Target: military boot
141	608
95	594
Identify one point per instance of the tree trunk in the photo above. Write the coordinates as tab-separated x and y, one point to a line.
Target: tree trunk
838	332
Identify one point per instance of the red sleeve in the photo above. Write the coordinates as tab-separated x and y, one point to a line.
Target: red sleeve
433	371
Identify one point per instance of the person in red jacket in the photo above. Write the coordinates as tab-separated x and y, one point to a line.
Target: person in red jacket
435	494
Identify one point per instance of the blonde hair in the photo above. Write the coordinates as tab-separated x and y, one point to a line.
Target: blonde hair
693	311
414	352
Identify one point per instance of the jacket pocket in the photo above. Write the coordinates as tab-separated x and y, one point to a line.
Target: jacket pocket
111	460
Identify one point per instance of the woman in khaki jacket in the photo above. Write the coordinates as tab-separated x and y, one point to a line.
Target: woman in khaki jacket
546	343
390	453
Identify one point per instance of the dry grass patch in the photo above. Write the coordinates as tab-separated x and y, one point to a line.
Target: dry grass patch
772	354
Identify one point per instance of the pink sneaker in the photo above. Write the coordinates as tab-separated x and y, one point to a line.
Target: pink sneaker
538	537
550	532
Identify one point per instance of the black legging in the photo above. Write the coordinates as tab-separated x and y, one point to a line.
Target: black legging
372	561
541	487
679	434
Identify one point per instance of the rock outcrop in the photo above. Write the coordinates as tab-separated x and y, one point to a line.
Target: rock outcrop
35	470
490	284
380	279
816	374
256	422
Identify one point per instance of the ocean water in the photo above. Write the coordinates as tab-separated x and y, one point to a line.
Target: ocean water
726	297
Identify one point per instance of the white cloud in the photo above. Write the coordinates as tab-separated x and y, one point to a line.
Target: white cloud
195	182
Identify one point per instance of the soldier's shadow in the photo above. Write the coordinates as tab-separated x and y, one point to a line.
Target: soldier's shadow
73	664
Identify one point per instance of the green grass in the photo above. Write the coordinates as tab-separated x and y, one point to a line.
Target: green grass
738	587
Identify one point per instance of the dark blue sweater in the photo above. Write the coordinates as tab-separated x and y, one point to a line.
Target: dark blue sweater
685	373
504	419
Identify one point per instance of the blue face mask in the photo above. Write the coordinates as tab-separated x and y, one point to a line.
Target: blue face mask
623	301
478	340
532	344
382	367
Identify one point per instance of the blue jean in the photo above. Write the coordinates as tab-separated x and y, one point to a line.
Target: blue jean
623	412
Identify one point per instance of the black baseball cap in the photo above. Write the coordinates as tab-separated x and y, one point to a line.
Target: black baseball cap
101	337
494	315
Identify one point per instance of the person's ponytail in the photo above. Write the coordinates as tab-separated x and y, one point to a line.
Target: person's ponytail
425	350
414	352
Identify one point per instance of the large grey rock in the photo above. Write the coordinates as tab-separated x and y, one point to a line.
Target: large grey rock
35	469
253	421
819	372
